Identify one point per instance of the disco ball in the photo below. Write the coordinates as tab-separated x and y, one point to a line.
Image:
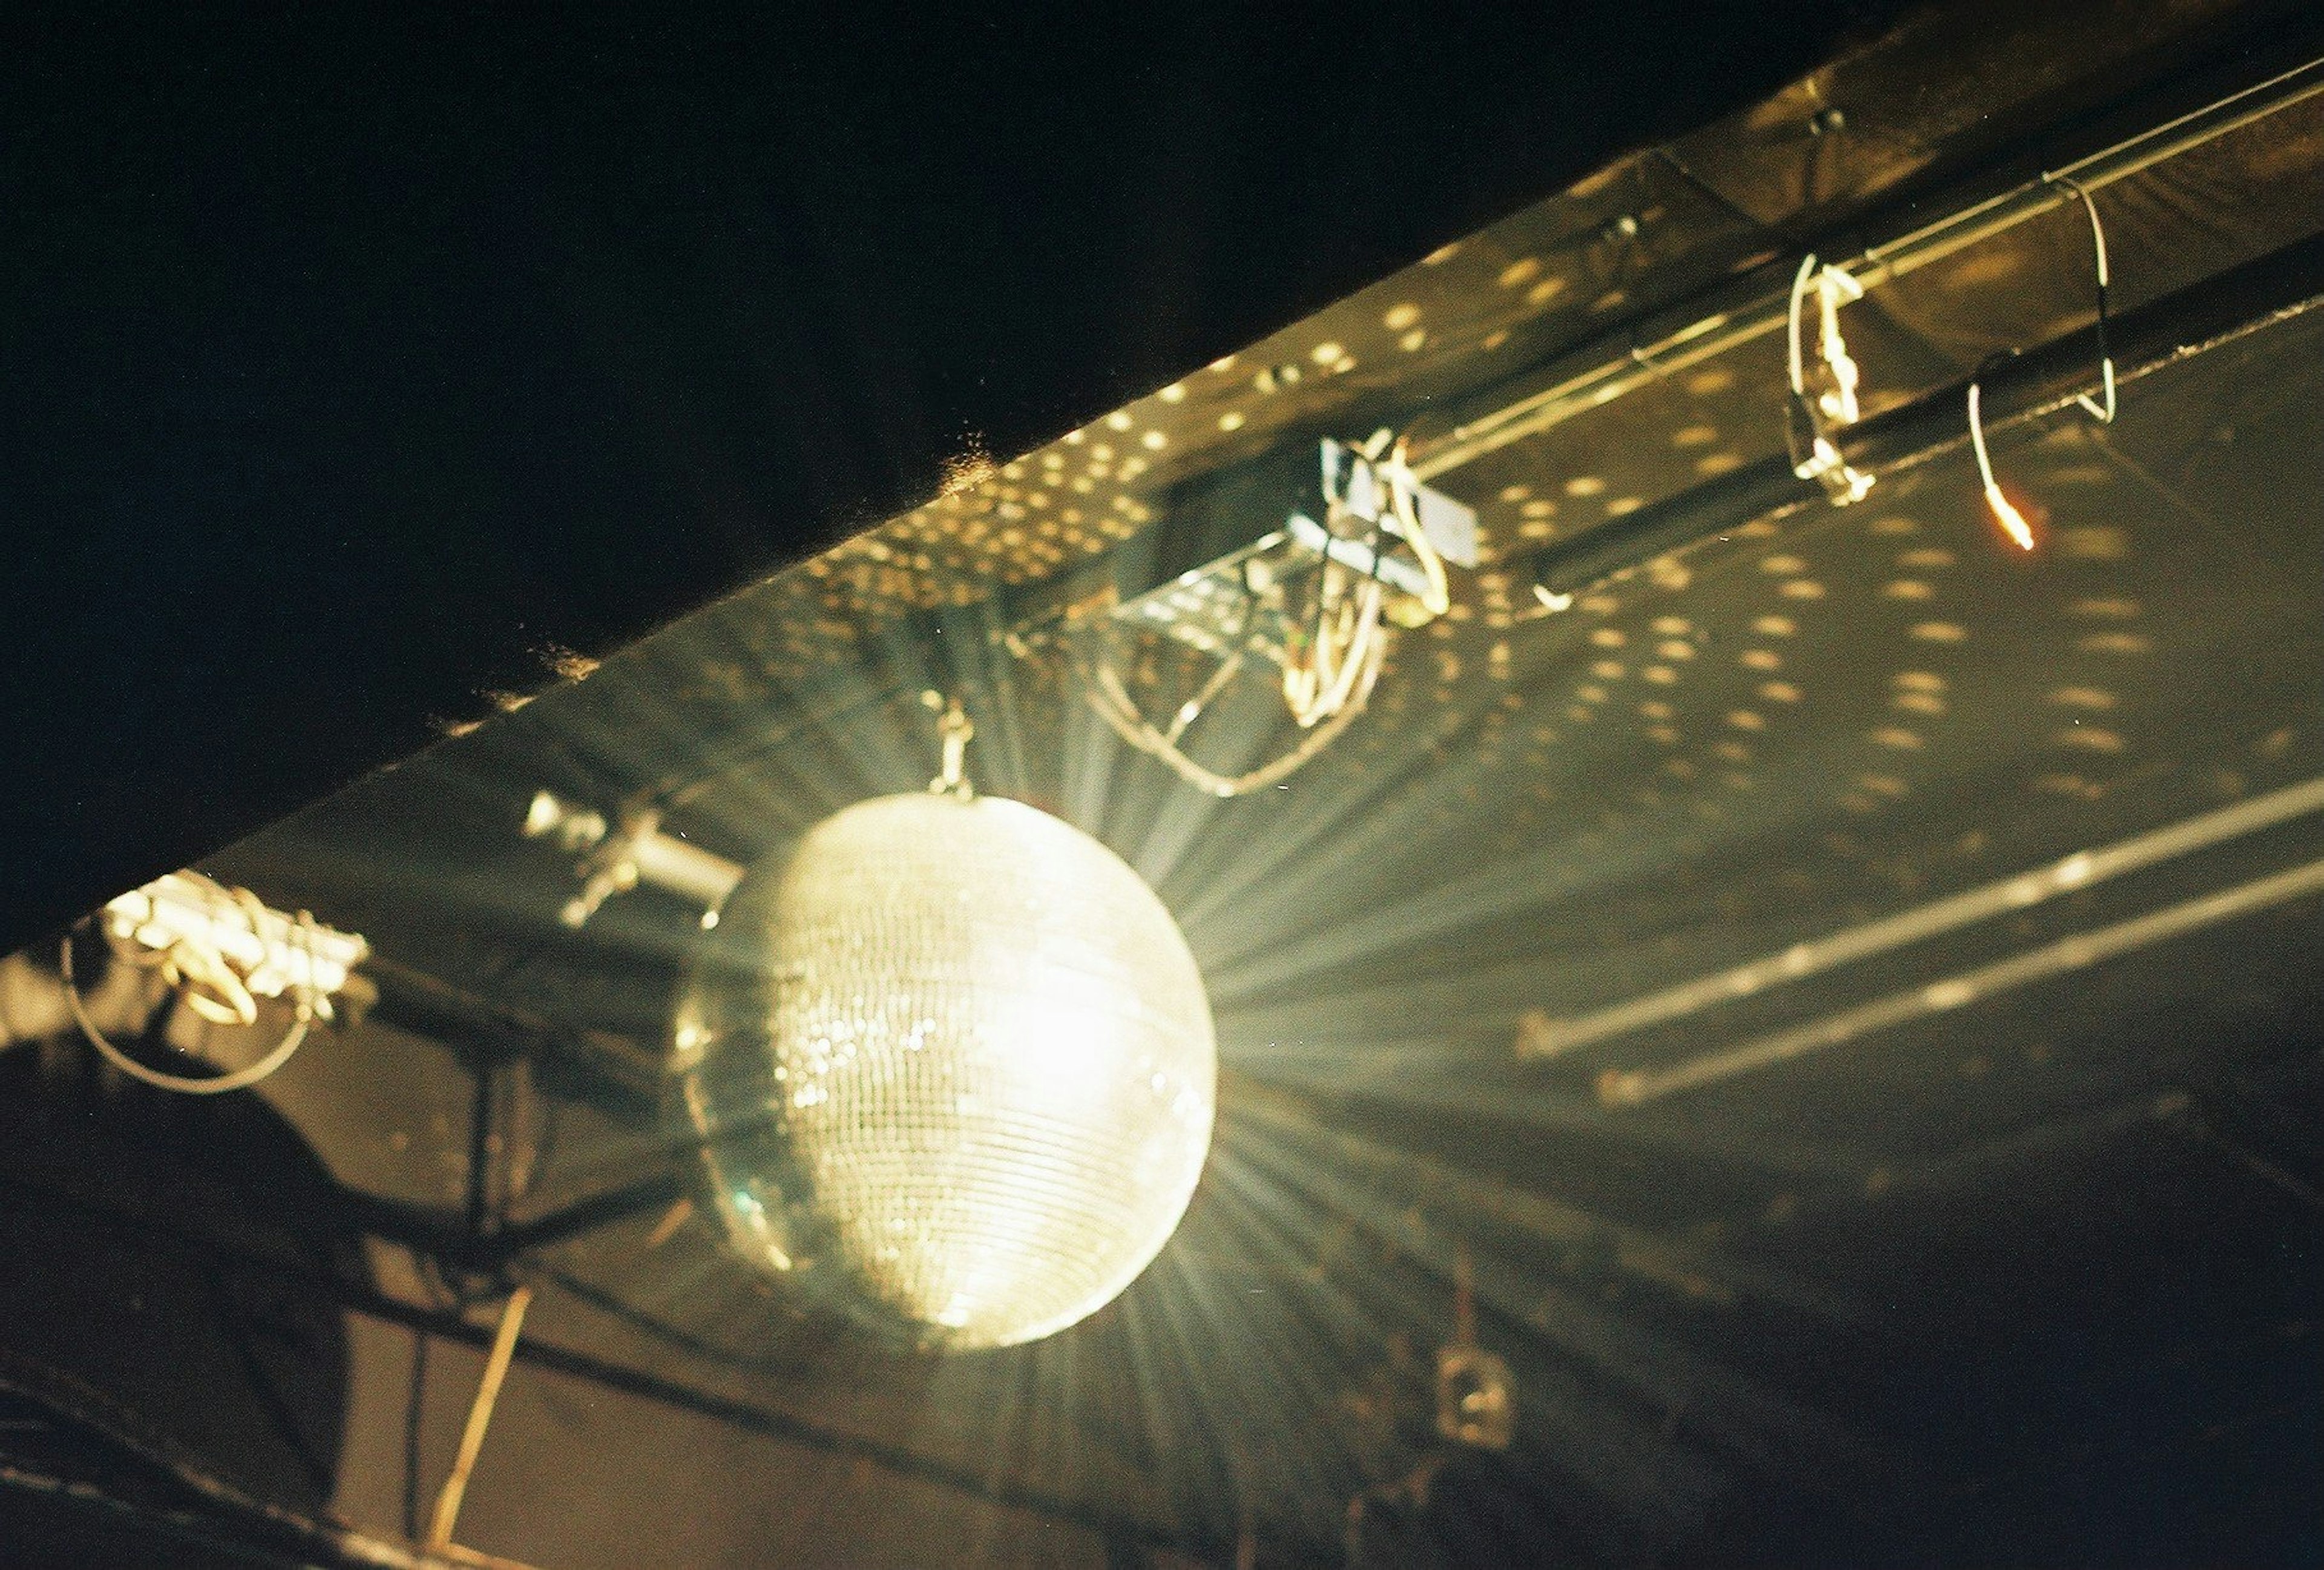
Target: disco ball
951	1068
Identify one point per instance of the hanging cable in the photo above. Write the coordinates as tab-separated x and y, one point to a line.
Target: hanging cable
1192	709
2013	522
1110	701
1319	679
1320	674
1794	358
1837	403
2102	408
1404	522
1335	643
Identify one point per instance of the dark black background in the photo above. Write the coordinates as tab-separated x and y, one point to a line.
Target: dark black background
352	360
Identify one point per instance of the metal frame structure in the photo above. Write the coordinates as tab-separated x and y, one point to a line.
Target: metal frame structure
1616	375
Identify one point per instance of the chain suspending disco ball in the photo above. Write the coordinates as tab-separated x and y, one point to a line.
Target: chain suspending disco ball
951	1069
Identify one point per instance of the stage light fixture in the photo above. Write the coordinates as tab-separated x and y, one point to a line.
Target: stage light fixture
219	949
1320	601
623	855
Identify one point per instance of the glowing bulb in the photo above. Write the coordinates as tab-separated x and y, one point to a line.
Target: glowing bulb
2013	522
951	1069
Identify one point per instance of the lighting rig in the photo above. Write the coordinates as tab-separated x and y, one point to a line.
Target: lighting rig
1830	442
1286	580
631	848
218	949
1302	571
1351	549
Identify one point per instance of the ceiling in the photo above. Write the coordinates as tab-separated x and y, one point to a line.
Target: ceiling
358	366
1998	1241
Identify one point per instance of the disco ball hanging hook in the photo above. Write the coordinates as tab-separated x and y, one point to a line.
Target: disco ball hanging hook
956	730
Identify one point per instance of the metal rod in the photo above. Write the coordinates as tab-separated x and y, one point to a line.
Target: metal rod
1624	370
481	1147
480	1419
451	1239
230	1535
657	1192
2221	309
668	861
2082	870
1631	1087
616	1074
459	1554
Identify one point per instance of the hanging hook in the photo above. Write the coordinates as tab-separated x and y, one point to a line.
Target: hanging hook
957	730
2103	412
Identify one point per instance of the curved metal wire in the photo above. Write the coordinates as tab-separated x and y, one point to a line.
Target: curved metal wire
191	967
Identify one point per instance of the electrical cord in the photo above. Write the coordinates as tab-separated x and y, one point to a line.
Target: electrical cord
1318	678
2100	409
1821	460
1318	684
2005	511
1328	677
1103	688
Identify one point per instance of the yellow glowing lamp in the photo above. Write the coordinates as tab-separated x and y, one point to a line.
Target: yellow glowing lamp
951	1069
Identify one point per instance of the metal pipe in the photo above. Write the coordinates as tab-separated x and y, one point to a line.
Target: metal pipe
456	1240
624	854
668	861
1633	365
2221	309
1634	1086
2082	870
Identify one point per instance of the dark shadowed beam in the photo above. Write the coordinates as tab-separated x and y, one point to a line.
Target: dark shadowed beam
226	1253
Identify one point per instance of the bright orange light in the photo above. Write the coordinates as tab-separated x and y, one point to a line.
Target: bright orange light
2013	522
